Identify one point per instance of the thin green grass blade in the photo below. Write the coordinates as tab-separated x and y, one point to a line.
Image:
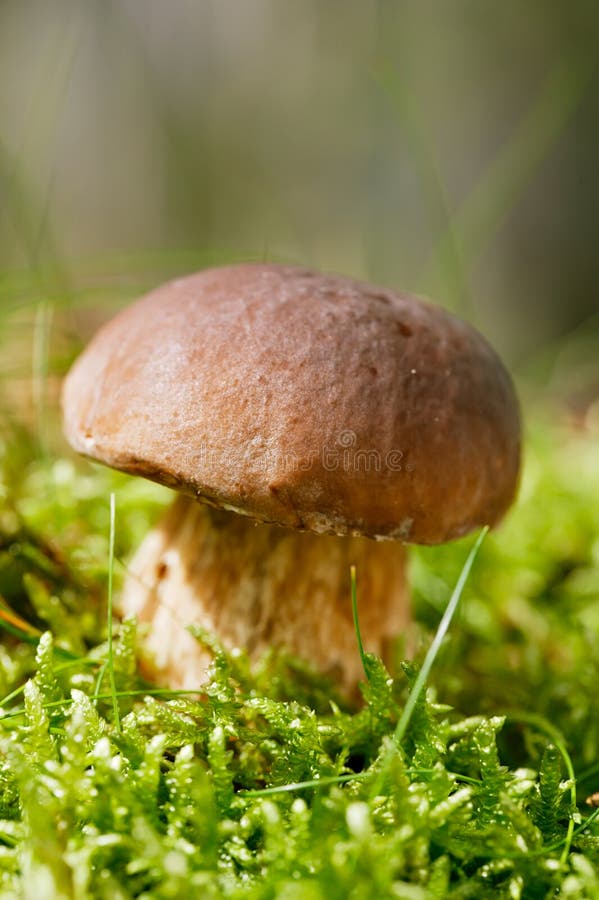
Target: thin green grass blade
557	738
435	646
115	703
354	607
40	365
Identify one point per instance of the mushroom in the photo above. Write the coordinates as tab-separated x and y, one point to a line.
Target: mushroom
320	422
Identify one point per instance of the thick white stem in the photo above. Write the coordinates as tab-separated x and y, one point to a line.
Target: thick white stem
257	586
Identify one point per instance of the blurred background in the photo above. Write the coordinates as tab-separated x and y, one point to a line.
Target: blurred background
447	148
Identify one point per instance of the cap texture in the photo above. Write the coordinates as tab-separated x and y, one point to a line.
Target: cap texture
312	401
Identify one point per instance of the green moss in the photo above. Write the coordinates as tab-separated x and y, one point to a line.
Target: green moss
266	785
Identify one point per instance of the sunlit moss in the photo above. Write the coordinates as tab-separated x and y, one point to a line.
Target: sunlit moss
267	785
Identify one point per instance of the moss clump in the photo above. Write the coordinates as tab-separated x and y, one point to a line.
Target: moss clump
265	785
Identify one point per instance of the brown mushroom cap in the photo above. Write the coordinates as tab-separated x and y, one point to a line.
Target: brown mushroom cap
311	401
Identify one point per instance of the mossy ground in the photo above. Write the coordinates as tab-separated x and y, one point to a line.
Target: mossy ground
266	784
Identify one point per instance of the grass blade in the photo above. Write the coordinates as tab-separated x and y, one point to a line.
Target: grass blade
115	704
354	608
435	646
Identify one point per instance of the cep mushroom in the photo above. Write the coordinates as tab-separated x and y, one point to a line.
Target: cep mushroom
320	422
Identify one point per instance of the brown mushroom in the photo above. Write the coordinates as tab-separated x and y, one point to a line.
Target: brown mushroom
320	422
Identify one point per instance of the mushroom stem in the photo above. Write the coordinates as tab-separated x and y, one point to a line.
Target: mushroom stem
256	586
